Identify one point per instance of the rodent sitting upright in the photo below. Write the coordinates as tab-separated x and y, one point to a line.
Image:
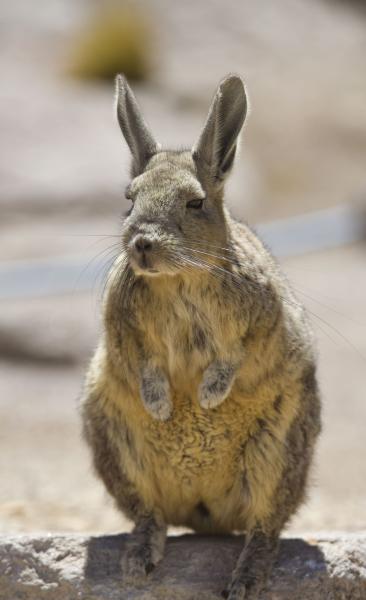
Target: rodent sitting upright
200	405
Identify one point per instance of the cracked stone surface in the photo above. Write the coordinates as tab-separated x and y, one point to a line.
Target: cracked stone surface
194	567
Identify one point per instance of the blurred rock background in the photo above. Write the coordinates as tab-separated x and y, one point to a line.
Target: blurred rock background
63	169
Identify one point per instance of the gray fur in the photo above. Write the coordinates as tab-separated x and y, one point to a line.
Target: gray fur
155	393
137	134
201	405
215	150
216	384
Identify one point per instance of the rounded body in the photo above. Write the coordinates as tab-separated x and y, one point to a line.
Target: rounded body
241	464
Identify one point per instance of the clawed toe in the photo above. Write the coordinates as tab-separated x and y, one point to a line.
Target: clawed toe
135	565
236	591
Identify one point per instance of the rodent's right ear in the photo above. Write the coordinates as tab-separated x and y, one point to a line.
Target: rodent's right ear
136	133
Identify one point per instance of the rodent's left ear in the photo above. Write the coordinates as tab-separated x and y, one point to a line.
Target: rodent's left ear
136	133
215	150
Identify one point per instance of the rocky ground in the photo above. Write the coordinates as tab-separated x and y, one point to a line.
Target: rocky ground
74	567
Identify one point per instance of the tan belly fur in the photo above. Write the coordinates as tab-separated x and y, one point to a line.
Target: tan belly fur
193	466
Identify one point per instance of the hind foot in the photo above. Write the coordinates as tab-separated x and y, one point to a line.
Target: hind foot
144	548
253	568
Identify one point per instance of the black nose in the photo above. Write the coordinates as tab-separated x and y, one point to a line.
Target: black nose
142	244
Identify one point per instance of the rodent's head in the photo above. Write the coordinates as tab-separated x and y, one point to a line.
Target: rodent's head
177	221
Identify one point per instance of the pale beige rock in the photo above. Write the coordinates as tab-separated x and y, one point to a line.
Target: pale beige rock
195	567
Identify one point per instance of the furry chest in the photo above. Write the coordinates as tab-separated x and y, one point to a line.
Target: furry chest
185	338
195	457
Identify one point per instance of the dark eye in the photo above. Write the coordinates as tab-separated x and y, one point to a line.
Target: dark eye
128	197
196	203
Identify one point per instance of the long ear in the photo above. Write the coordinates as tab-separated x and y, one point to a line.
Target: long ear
215	150
135	131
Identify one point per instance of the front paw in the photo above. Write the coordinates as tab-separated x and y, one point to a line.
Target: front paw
155	394
216	385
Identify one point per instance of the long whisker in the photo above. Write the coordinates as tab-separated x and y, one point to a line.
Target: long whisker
236	280
222	274
113	248
208	244
217	256
101	235
327	306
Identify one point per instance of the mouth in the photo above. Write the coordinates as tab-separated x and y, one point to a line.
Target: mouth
143	266
147	272
147	258
146	267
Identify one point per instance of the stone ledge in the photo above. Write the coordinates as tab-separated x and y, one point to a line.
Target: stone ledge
69	567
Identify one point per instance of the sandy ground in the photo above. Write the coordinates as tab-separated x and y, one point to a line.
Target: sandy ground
45	464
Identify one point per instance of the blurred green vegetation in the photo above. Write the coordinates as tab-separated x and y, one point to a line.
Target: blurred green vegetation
117	39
